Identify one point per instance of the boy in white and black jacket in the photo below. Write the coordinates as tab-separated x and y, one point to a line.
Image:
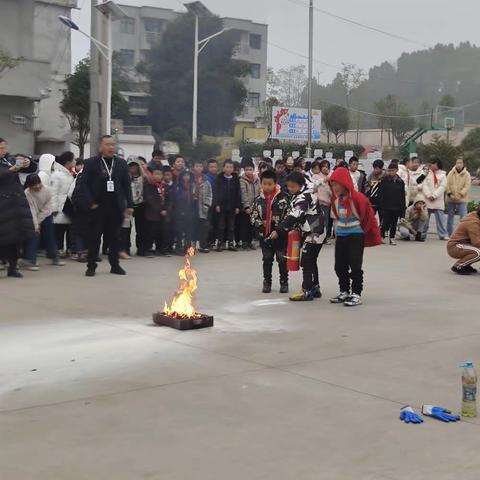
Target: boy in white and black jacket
305	215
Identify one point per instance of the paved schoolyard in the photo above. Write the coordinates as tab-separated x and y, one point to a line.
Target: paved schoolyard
275	391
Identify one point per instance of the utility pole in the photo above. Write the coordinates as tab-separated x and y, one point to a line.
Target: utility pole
310	68
195	84
94	83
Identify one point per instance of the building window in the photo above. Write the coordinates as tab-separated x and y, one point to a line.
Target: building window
253	99
138	102
255	41
255	70
144	55
127	57
127	25
154	24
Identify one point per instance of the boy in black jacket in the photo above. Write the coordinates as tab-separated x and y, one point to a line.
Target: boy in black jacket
391	200
305	215
268	210
227	203
157	203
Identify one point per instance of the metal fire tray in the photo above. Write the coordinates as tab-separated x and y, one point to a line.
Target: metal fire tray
202	321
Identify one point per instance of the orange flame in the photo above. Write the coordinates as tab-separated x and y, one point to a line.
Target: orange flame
182	305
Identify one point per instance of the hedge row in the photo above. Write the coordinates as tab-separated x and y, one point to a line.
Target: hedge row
253	149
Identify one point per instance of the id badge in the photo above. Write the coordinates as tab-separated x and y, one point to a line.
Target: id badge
110	186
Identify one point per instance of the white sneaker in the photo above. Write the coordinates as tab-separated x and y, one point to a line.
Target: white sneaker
33	268
340	298
58	263
353	300
445	239
392	242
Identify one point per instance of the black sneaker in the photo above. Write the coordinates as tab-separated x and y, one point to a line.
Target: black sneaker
232	247
220	247
267	287
118	270
469	268
353	300
245	246
14	273
317	293
204	250
461	271
90	272
419	237
284	287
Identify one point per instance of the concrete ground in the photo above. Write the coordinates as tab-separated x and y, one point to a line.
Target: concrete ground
90	389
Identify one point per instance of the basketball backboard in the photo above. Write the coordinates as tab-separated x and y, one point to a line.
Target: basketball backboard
448	118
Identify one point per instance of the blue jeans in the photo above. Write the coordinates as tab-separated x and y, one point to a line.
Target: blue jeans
460	209
47	231
439	220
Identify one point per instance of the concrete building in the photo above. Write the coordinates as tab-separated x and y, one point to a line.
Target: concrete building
133	37
30	118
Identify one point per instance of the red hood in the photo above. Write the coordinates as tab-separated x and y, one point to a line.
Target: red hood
342	176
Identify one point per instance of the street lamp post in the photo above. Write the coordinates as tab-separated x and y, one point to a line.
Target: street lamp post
112	12
197	8
310	68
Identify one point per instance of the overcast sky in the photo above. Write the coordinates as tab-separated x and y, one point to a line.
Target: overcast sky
424	21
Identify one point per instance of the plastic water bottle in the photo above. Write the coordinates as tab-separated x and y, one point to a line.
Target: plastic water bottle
469	388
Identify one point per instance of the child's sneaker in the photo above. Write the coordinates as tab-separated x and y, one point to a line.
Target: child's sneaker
340	298
267	287
57	263
284	287
392	242
33	267
220	247
232	247
353	300
303	296
317	293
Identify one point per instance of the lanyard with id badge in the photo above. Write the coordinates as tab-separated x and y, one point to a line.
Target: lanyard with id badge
110	182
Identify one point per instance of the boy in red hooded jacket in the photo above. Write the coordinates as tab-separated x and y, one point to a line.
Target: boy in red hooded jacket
356	228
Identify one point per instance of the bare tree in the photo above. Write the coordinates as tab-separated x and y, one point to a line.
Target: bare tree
287	85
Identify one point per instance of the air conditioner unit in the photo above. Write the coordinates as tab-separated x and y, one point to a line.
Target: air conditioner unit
18	119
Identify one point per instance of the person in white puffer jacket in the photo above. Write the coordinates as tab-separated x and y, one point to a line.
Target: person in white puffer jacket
60	183
433	189
46	165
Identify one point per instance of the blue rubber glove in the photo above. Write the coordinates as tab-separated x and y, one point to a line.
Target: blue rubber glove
408	415
440	413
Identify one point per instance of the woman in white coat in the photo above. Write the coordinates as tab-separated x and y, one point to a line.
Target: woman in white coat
433	189
60	183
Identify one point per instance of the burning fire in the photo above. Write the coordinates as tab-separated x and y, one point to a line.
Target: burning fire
181	305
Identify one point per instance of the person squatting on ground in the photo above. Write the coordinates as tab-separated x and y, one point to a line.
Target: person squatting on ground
268	211
104	191
249	190
40	201
227	202
391	200
414	221
16	223
459	182
305	215
464	244
356	228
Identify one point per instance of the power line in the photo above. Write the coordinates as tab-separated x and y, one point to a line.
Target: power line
362	25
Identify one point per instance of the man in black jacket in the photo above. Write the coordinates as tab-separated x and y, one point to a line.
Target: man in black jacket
105	189
392	201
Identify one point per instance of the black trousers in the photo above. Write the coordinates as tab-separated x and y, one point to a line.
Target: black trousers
308	262
200	231
246	228
156	236
141	233
270	251
183	230
390	221
376	209
62	231
348	262
212	225
9	253
226	226
107	222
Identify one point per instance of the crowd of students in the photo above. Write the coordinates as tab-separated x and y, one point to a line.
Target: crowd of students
65	207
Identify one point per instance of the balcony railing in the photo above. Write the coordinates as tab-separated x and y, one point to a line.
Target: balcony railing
137	130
